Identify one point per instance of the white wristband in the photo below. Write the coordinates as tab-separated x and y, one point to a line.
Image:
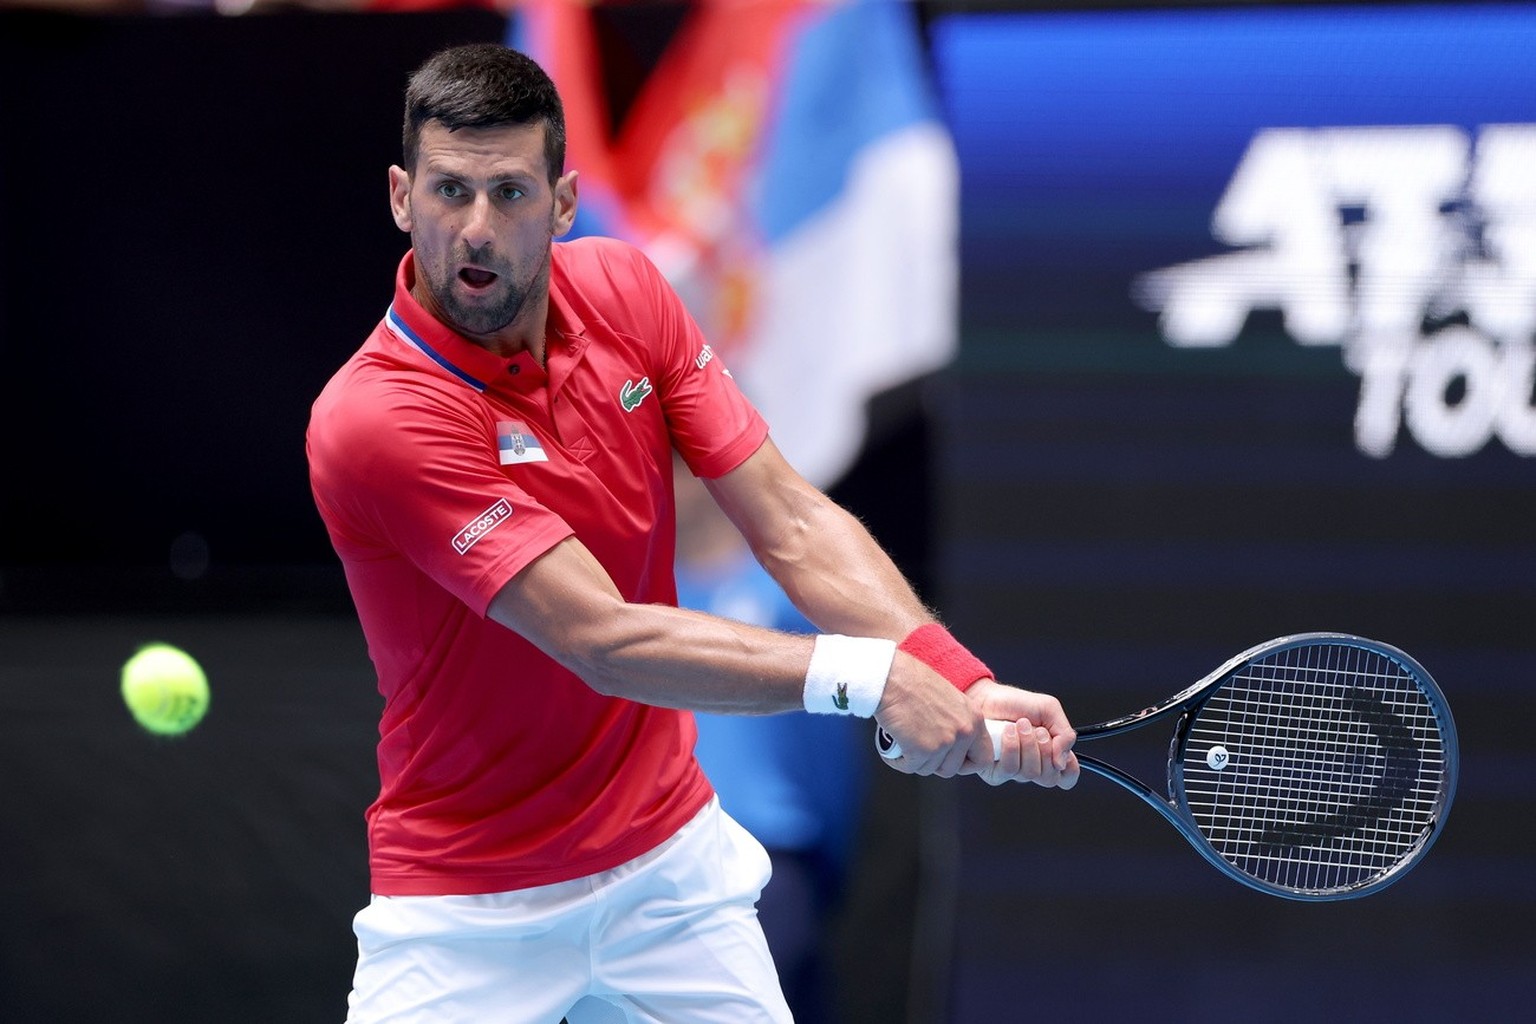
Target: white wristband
847	674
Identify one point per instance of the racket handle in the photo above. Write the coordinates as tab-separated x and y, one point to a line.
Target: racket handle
886	744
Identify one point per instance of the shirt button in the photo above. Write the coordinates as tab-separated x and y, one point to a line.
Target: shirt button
514	369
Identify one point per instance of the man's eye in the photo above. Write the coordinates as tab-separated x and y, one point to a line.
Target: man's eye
450	190
510	192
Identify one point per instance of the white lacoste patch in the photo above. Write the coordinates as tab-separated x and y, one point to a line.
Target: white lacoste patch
481	525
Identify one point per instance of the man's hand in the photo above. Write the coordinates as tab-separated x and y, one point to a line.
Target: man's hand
1036	741
936	726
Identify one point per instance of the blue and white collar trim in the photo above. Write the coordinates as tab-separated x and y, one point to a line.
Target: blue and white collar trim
397	324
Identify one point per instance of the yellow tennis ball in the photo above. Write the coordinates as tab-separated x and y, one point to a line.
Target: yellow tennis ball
165	688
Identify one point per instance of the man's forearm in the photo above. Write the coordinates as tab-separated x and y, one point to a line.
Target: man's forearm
839	576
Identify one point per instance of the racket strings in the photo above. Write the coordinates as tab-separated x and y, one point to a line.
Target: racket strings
1317	769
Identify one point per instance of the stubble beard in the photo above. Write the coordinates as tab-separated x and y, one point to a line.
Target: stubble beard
488	314
478	317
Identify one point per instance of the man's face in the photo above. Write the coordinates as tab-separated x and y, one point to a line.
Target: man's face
481	215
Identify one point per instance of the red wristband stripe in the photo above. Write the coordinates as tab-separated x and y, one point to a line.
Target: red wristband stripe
933	645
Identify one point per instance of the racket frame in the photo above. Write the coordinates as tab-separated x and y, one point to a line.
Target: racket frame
1187	702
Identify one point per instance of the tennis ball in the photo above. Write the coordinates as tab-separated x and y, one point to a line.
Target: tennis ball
165	688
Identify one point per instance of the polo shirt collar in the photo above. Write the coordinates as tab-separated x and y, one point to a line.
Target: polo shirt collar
565	333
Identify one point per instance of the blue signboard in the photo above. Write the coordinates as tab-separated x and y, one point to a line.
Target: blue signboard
1357	179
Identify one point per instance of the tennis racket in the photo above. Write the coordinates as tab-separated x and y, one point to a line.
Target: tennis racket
1319	766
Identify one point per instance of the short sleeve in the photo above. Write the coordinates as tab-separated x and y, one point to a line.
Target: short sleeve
714	426
403	469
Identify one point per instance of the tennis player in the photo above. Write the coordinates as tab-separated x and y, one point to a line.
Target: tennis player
494	468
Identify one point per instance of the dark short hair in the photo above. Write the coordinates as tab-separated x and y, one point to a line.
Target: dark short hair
483	85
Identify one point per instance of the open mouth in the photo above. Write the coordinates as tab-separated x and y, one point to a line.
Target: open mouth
476	278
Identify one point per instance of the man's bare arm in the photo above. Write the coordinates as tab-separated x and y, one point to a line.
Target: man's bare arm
566	605
834	571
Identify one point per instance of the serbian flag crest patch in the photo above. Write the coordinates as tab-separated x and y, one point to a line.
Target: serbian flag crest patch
515	444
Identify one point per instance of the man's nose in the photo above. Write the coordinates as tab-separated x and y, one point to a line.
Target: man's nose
479	223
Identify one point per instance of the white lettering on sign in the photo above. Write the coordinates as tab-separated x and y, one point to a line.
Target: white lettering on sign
1409	247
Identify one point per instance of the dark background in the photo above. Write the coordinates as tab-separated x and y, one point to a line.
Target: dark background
195	234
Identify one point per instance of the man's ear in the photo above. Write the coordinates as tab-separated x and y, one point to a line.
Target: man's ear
564	213
400	197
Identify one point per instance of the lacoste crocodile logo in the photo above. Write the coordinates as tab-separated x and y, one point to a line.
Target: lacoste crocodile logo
840	698
632	394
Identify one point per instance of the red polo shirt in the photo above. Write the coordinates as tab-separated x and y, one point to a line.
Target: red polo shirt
441	470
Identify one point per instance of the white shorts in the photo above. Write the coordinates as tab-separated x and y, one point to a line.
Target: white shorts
671	936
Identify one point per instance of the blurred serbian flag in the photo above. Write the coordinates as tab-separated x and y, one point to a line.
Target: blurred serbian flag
785	164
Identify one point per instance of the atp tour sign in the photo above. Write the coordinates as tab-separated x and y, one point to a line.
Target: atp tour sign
1413	248
1237	193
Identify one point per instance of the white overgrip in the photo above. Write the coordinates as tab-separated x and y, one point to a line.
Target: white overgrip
886	744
